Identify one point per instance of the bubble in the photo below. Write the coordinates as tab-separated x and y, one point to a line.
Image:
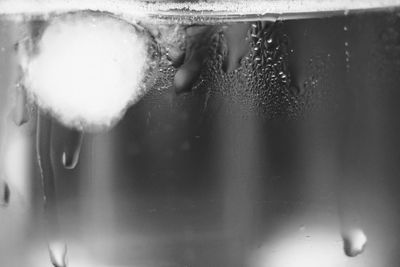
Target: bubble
88	69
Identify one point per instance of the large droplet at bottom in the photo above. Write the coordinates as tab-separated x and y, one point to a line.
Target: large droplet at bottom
72	148
5	194
354	242
58	253
57	249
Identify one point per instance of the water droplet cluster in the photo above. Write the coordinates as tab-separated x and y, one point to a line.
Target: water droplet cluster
262	83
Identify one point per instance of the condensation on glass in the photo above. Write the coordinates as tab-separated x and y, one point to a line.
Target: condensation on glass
199	133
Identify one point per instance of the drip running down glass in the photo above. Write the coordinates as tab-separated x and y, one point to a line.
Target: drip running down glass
205	133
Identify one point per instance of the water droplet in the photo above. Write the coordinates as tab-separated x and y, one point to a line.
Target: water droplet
20	114
72	148
43	152
269	41
354	242
345	28
58	253
6	194
176	57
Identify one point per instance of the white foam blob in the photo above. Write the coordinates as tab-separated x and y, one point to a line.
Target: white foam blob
88	69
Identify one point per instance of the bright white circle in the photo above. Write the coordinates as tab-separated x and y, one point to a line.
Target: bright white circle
88	69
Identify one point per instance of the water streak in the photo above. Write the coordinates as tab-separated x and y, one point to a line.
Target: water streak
43	149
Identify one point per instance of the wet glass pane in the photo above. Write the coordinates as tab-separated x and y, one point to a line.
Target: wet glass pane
199	133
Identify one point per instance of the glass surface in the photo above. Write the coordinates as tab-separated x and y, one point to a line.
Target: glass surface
252	138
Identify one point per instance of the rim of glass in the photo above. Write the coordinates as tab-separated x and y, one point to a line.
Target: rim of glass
191	11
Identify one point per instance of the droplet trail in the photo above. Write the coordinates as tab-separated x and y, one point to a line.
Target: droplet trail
43	150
